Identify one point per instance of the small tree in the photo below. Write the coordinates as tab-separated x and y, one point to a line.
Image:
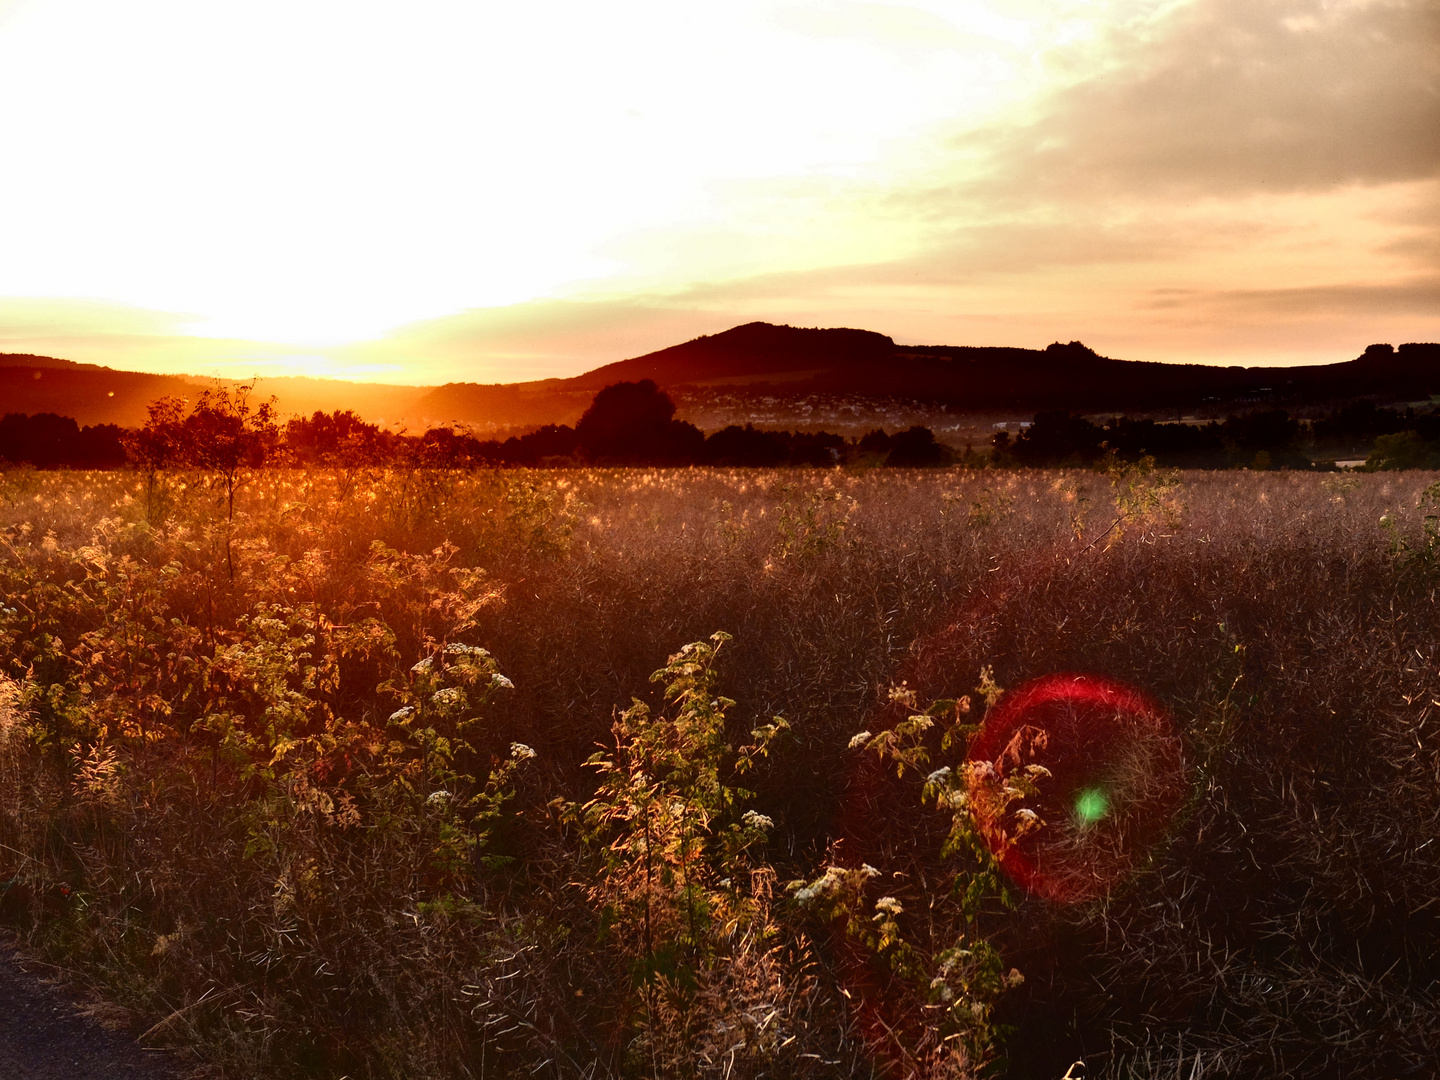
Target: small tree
156	447
223	434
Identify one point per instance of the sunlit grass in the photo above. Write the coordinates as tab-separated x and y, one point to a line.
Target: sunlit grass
213	797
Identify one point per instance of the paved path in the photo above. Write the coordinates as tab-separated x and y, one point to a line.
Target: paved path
46	1035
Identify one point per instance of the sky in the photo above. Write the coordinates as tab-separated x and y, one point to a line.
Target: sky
468	190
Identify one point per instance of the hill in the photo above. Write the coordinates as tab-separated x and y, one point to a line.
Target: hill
839	369
784	375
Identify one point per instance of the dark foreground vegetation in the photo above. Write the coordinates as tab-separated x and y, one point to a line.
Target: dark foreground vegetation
371	772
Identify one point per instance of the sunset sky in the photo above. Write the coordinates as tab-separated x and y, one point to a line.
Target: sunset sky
470	190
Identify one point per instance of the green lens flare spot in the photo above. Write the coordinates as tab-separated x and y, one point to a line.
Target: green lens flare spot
1091	805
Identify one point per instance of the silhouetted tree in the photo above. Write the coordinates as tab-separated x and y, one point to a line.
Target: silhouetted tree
737	445
916	446
874	442
156	447
1357	421
223	435
1196	446
1002	449
820	448
100	446
1267	439
553	441
42	440
633	423
1403	450
338	438
46	440
1058	437
444	447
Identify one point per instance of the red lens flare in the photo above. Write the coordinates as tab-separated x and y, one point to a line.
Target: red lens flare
1110	776
1113	777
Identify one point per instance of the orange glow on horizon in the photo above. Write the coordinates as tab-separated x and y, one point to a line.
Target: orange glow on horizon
502	194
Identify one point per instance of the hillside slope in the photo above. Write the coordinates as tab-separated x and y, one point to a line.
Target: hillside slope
759	360
769	373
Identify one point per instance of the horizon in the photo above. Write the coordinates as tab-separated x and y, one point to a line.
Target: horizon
497	196
258	380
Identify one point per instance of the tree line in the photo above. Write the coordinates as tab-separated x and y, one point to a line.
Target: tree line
46	441
629	423
626	424
1267	439
633	423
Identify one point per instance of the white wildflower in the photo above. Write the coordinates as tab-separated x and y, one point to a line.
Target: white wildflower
457	649
439	798
500	682
452	697
520	752
824	885
424	667
860	740
751	820
399	716
888	905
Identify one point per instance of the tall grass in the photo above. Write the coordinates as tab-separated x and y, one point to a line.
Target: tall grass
293	815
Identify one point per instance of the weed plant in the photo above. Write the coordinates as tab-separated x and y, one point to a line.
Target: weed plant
375	775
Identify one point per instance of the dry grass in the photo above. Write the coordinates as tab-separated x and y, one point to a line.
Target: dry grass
202	799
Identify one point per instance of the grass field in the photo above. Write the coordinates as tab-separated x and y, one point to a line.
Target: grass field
372	778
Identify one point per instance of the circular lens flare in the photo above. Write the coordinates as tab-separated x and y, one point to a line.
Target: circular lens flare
1071	777
1091	805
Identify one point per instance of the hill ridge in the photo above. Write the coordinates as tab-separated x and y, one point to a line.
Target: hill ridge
759	361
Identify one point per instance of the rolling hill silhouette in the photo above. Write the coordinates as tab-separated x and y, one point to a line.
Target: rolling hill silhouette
760	361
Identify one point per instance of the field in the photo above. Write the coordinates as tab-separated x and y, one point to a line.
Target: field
418	773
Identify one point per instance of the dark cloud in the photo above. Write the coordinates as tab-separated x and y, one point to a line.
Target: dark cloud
1227	97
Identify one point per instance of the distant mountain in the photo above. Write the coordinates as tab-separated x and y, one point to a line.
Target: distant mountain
87	392
754	352
761	362
825	375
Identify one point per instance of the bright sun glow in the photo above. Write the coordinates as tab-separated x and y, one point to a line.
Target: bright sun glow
317	174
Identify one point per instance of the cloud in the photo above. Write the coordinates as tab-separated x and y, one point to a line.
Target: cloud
1229	96
1418	297
536	340
27	318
